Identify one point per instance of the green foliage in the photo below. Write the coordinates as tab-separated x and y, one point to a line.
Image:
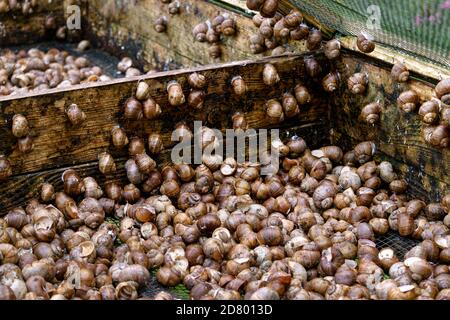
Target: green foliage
180	291
113	220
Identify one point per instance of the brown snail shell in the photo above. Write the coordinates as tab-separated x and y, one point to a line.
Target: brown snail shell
239	86
75	115
176	95
314	39
399	72
371	113
20	127
408	100
274	111
119	137
332	49
197	81
160	24
270	75
155	143
365	45
151	109
442	90
330	82
142	91
302	95
312	67
429	111
357	83
437	135
199	32
106	163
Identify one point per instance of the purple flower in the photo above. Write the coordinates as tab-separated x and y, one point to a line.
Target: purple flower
418	20
445	4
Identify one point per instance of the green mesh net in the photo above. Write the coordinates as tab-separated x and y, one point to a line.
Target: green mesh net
418	27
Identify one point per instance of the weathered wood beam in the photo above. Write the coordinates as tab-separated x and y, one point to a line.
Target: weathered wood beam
399	134
415	64
58	144
15	28
119	26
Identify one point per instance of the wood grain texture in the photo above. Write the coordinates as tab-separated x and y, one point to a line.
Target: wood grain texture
399	134
58	144
18	190
15	28
125	29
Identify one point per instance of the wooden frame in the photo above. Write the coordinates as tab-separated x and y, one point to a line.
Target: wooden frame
58	146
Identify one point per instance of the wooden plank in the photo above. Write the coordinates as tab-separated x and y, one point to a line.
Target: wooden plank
15	28
398	135
124	25
20	189
57	144
386	54
420	184
120	26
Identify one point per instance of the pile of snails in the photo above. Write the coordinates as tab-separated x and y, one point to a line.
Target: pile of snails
28	7
275	31
213	31
35	70
226	232
25	7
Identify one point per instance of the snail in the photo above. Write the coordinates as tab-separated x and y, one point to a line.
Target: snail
314	39
274	111
332	49
442	91
160	24
20	127
106	163
224	229
330	82
437	135
119	137
270	75
371	113
75	115
200	31
429	111
408	100
357	83
399	72
175	92
239	86
365	44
